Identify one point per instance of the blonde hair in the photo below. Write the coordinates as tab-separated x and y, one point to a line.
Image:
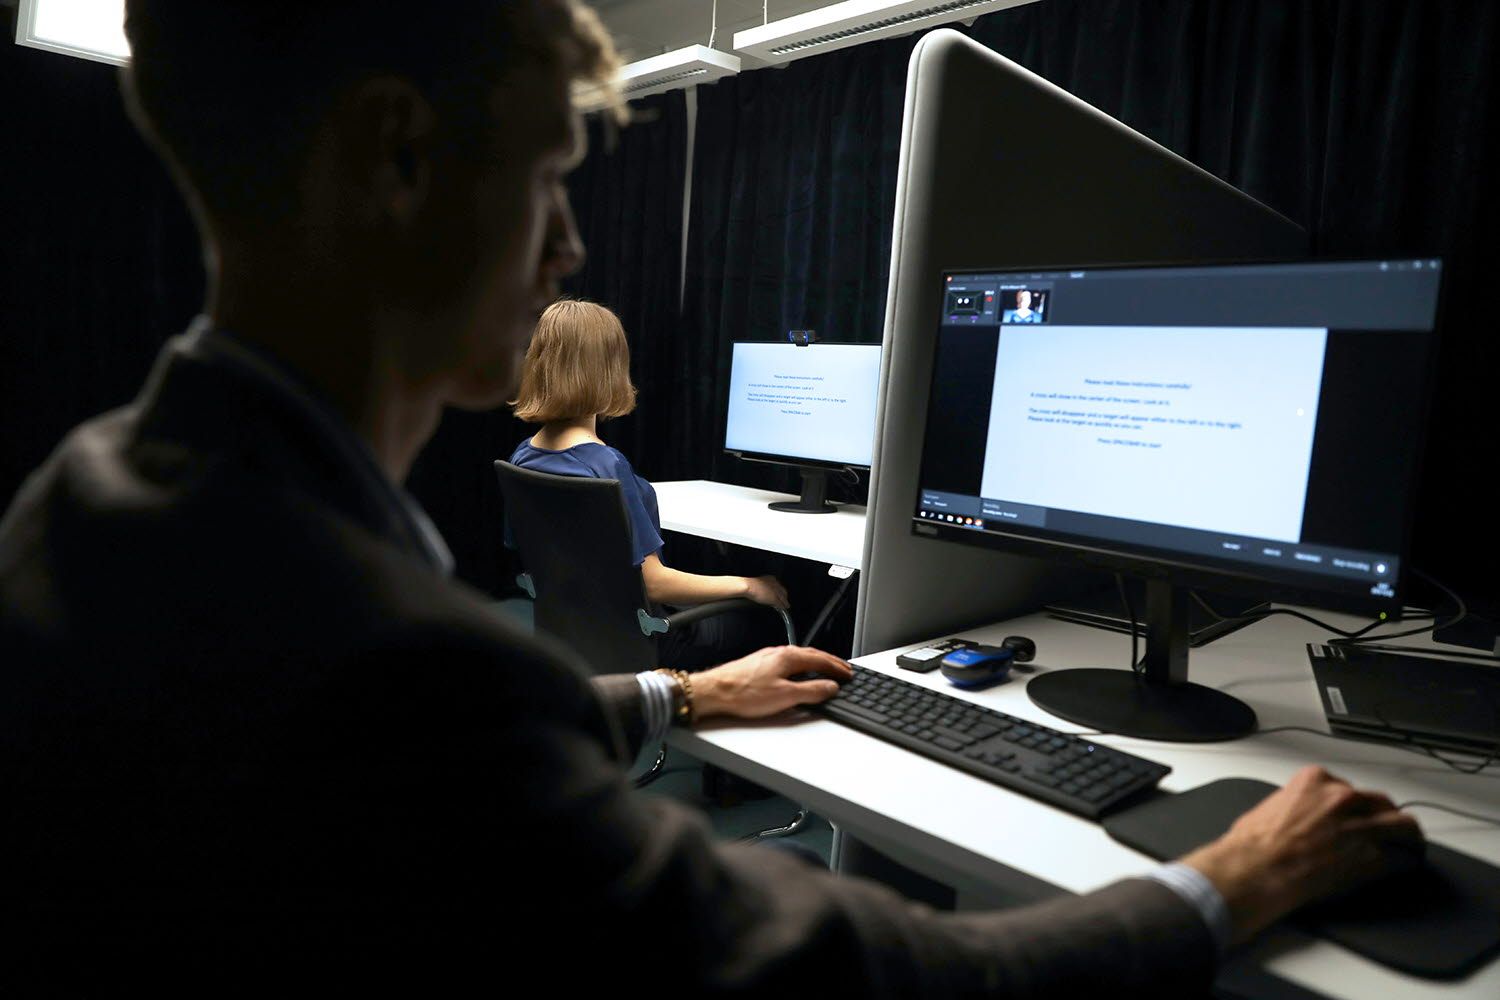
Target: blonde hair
596	65
577	365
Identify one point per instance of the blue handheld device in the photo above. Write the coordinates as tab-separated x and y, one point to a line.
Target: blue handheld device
977	666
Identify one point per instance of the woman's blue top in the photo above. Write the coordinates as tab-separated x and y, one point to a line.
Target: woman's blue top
603	462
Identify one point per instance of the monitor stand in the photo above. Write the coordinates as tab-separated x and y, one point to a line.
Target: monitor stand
1158	704
814	499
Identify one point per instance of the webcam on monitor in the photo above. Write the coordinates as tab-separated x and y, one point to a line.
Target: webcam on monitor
802	337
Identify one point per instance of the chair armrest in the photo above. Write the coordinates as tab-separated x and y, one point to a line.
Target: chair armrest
689	615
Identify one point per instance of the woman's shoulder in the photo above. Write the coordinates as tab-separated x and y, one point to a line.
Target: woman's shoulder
555	459
605	461
594	457
617	458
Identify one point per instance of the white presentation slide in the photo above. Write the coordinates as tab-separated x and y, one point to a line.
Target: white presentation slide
1203	427
815	402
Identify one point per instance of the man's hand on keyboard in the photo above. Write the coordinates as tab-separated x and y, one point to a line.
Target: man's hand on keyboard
1312	838
762	683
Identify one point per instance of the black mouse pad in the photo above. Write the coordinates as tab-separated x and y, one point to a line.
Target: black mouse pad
1441	921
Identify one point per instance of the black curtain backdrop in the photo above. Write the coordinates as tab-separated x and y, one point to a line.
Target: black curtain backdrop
628	198
794	182
1371	122
99	263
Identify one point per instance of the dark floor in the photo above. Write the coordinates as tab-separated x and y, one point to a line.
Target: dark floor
682	779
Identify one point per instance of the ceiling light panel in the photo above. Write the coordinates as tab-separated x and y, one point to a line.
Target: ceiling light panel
684	67
852	22
89	29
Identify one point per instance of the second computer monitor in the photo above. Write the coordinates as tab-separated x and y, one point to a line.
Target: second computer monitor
810	407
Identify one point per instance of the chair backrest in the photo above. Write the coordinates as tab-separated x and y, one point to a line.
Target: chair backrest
573	534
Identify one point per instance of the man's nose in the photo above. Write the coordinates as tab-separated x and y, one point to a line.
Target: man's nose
565	251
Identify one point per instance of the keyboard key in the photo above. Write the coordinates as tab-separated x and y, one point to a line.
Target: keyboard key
949	733
865	713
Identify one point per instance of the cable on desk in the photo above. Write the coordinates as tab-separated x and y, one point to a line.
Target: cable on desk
1421	803
1292	612
1345	636
1135	628
1360	636
1460	613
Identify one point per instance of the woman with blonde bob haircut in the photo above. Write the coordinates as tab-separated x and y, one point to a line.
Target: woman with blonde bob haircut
577	365
577	373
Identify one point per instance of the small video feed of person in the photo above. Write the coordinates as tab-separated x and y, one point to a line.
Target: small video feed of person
1023	305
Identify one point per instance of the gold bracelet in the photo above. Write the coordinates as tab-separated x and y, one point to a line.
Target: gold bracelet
682	700
685	713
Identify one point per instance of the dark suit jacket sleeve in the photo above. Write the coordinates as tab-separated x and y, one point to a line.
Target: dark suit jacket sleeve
621	695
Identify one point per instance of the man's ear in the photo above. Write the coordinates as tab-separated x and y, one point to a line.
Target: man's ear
393	127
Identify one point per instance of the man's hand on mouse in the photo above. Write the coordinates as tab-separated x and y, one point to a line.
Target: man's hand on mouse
1312	838
761	684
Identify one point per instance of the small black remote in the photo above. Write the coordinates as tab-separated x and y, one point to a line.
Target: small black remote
928	657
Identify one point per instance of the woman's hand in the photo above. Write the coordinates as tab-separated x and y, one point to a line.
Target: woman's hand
768	681
766	590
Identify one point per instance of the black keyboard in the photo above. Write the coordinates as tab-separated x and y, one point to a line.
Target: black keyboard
1069	772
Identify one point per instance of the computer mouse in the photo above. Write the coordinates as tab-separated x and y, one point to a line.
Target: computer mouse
976	666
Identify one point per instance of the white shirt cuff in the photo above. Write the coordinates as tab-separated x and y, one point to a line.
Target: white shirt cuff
656	705
1195	889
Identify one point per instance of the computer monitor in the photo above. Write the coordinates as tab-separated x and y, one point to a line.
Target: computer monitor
810	406
1253	428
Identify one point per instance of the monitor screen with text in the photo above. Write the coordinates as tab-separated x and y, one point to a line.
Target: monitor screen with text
812	404
1261	420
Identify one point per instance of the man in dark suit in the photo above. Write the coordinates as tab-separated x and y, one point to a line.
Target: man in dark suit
249	723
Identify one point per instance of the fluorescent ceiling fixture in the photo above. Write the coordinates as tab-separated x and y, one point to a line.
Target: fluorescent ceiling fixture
90	29
676	69
840	25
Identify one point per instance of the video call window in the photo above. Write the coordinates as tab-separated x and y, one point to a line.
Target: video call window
1023	305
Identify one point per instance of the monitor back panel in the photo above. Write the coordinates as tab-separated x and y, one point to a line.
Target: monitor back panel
1001	169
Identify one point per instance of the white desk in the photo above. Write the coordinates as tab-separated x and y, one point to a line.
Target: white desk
739	515
965	831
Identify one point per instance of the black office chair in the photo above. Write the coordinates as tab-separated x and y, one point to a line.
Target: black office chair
573	535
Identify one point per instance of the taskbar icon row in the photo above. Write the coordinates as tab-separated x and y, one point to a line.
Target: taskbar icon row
954	519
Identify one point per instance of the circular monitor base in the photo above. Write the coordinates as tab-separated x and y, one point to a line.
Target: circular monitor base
1123	703
797	507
